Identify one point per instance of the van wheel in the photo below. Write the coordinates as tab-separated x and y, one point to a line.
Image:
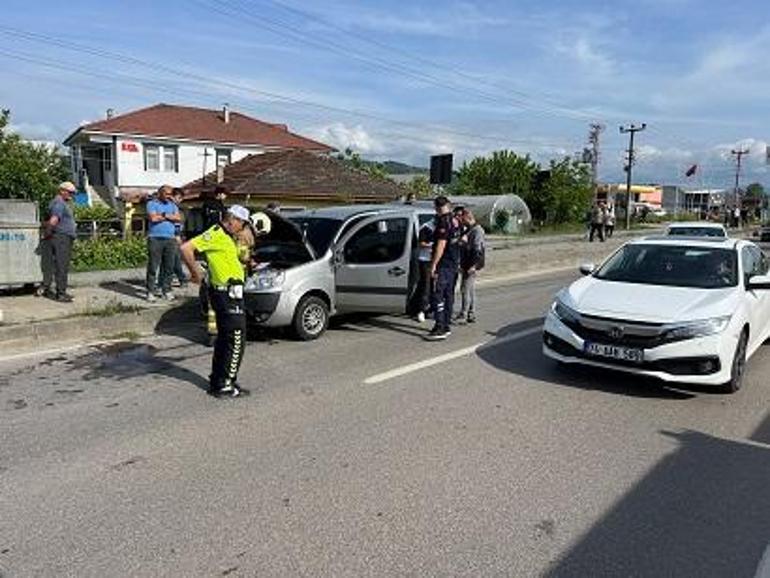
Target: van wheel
311	318
739	365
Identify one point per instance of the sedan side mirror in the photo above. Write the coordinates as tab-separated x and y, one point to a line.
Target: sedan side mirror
587	268
758	282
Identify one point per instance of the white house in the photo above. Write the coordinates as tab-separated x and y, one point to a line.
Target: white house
127	156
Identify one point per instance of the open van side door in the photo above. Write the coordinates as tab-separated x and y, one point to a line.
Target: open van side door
372	263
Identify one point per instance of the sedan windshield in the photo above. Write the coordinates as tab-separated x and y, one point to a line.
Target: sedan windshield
674	265
696	232
318	231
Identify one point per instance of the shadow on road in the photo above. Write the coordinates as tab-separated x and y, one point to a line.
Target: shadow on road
702	511
524	357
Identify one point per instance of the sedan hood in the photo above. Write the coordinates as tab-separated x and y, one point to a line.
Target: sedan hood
651	303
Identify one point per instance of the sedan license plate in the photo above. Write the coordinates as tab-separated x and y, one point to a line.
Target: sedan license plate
614	352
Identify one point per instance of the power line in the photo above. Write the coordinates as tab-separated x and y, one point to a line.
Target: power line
188	75
429	62
239	10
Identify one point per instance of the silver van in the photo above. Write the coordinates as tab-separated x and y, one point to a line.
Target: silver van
318	263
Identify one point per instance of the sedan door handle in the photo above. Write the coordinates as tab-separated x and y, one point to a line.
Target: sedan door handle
396	272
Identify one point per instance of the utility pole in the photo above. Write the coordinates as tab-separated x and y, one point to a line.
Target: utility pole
206	154
631	130
738	154
593	141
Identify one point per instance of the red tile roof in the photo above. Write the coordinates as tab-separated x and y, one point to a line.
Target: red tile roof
200	124
298	177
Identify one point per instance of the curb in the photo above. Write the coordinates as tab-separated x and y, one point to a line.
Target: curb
31	337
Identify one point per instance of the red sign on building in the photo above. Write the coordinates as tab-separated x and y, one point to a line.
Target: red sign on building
129	147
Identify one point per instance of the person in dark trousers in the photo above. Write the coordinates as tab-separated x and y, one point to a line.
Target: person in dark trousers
219	247
444	266
471	262
178	196
597	221
424	258
59	233
213	207
163	215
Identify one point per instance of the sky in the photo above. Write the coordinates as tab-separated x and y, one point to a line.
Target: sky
404	80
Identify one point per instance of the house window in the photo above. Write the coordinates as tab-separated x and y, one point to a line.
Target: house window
223	157
170	159
161	158
151	157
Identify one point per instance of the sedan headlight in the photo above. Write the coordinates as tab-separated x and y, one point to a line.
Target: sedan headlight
693	329
265	279
565	313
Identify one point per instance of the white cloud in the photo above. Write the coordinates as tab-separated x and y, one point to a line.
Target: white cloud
341	137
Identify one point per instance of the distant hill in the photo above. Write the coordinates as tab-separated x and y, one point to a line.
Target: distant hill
397	168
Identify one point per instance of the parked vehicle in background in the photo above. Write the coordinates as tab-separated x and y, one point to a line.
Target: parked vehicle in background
696	229
319	263
764	233
681	310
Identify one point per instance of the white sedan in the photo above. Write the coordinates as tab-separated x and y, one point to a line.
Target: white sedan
681	310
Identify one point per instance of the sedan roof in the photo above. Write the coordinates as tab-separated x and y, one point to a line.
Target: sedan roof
698	224
723	242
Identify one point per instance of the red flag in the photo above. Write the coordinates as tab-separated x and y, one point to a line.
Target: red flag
691	171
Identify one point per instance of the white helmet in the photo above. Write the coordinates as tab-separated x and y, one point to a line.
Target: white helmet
261	223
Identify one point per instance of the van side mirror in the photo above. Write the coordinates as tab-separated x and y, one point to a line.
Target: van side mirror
758	282
587	268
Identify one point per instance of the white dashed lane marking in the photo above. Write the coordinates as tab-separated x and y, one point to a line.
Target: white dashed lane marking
424	364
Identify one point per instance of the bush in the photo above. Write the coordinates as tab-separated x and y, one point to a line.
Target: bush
109	254
95	213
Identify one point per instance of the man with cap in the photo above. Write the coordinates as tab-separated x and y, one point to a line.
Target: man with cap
445	261
219	246
56	247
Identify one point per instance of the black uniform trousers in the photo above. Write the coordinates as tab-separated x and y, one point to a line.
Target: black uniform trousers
231	338
444	296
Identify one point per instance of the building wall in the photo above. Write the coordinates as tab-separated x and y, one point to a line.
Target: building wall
190	158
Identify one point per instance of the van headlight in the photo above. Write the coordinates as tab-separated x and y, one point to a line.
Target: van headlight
693	329
565	313
266	279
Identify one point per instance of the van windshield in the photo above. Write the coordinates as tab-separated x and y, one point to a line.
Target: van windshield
319	231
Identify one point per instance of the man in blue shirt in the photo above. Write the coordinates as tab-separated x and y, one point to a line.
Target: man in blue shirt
59	232
162	246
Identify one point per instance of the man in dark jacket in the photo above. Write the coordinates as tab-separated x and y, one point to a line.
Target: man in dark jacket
443	267
471	262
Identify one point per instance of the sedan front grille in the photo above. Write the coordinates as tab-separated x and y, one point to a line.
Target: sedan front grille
618	332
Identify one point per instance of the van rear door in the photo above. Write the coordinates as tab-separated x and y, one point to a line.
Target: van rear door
372	263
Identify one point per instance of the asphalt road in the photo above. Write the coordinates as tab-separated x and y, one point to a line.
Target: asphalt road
363	454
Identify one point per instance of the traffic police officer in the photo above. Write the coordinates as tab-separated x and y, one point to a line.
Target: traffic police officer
219	247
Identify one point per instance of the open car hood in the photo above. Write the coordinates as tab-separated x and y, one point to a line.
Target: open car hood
283	231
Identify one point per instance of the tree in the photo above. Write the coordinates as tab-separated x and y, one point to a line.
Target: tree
755	191
354	160
565	192
504	172
28	171
559	194
420	186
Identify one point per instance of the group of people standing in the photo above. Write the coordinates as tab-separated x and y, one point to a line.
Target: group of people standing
601	221
452	247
